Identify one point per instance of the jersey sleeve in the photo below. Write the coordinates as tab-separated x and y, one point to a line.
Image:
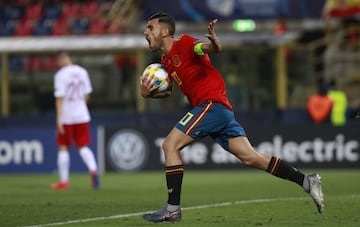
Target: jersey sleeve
194	44
59	85
88	87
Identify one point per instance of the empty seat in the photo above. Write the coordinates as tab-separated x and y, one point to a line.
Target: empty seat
34	11
89	9
24	28
43	27
60	27
16	62
79	26
52	11
49	63
13	12
7	28
32	63
98	26
71	10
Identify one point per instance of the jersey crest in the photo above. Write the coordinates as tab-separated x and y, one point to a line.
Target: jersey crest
176	60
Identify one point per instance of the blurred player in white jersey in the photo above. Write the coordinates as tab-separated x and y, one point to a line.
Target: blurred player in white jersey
72	88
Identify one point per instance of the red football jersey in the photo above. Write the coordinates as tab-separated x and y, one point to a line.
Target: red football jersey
194	74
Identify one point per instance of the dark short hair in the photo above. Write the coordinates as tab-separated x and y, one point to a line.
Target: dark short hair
166	19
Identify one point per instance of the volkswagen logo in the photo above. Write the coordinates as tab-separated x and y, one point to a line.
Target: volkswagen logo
127	150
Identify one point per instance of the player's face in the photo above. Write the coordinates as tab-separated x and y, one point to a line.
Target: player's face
60	61
63	60
153	34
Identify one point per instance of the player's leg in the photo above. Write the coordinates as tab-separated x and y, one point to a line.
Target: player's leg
185	132
241	148
174	170
63	158
88	158
82	139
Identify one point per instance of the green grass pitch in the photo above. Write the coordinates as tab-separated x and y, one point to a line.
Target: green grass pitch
210	198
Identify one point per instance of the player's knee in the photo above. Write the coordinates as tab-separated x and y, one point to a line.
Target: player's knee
62	148
256	160
167	145
249	161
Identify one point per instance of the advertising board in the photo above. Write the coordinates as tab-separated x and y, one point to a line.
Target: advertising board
34	150
132	149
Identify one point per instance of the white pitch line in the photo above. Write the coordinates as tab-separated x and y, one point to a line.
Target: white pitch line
185	208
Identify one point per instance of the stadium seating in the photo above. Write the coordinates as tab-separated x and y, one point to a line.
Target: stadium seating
7	28
32	63
24	28
57	17
79	26
71	10
24	18
89	9
34	11
43	27
49	63
97	26
16	62
12	12
52	11
60	27
39	63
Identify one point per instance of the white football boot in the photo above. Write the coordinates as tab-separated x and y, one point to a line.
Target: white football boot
315	191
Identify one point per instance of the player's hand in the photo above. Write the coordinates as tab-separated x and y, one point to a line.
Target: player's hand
215	45
147	86
60	128
211	30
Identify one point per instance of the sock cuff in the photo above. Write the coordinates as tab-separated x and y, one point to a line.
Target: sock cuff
84	149
274	165
177	169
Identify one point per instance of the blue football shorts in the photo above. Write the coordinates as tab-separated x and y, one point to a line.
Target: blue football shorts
211	119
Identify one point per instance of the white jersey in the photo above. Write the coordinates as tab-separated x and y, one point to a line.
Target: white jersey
73	84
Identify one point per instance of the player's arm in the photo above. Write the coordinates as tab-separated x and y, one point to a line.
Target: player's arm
211	47
149	91
87	98
59	103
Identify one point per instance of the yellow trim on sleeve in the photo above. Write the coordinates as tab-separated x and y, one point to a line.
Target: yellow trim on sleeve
198	50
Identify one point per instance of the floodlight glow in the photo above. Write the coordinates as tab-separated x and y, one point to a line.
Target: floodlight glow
244	25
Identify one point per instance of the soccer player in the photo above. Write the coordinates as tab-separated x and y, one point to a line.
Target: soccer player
72	89
186	60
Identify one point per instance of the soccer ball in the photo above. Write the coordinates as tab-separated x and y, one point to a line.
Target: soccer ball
161	77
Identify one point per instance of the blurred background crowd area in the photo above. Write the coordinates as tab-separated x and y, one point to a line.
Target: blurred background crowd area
57	17
303	40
